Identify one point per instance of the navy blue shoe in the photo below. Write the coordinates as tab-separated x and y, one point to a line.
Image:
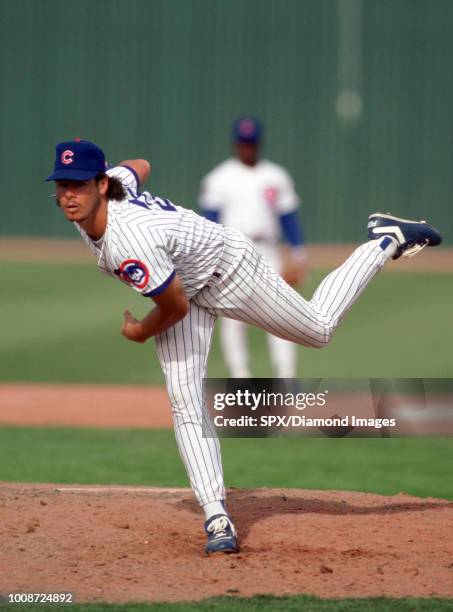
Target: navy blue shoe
221	534
411	236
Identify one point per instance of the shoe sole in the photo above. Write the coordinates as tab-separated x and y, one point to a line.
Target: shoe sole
225	551
223	547
392	218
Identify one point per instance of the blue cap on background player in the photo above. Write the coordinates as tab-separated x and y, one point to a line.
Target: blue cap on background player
247	129
77	160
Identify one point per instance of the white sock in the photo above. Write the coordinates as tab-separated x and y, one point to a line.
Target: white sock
217	507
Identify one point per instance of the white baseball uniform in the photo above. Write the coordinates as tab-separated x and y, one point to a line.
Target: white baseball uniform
149	239
251	199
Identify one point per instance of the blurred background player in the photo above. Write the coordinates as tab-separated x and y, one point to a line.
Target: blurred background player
257	197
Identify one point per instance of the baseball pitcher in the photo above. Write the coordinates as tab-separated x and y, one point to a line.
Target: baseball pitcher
192	271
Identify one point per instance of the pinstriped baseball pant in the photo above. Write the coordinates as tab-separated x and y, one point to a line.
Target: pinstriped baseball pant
248	290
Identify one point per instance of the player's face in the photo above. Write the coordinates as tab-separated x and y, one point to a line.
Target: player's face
247	152
79	199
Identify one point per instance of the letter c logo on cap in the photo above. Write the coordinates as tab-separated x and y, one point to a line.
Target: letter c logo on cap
66	157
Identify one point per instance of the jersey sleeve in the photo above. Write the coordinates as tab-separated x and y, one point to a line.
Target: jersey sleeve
211	197
126	175
143	260
288	200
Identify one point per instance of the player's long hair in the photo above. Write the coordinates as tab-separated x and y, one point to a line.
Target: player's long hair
115	190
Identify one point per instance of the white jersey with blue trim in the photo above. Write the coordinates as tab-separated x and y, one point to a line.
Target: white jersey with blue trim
250	198
149	239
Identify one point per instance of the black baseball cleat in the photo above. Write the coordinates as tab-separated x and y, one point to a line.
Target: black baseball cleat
411	236
222	536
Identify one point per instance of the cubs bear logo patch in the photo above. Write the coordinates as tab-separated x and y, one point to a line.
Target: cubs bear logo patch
134	272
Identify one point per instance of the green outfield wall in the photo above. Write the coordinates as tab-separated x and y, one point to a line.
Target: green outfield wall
356	96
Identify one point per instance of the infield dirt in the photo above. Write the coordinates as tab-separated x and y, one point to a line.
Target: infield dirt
130	544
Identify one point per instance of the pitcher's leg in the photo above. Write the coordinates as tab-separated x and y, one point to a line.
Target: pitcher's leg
342	287
336	294
183	350
274	306
233	336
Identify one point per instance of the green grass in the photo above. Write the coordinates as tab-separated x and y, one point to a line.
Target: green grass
262	603
61	323
417	466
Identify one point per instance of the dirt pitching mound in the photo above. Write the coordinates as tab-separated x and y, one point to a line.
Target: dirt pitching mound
124	544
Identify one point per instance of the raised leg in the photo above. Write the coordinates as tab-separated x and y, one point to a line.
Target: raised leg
257	295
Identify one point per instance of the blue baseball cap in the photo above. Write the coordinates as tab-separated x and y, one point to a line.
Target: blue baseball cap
77	160
247	129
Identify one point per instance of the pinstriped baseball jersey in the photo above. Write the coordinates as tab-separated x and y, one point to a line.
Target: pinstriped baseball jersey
148	239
